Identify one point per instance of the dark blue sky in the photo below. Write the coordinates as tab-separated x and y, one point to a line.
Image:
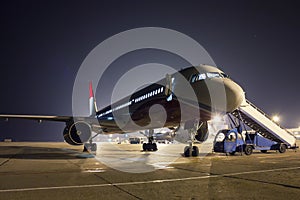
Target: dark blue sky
43	43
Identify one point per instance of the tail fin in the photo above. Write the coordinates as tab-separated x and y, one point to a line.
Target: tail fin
92	101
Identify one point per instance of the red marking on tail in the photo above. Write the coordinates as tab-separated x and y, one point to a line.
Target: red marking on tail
91	90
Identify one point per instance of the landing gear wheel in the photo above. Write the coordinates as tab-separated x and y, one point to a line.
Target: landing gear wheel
154	147
94	147
149	147
144	146
90	147
282	148
195	151
248	150
85	148
186	151
264	151
232	153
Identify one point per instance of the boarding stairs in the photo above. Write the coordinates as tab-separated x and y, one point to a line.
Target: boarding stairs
260	122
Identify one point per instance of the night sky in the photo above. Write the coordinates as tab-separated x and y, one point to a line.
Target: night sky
43	44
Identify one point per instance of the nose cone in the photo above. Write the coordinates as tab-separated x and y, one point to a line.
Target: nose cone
234	95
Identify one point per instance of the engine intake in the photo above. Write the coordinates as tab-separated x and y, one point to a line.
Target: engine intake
77	133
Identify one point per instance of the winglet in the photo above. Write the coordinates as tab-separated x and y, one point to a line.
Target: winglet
92	101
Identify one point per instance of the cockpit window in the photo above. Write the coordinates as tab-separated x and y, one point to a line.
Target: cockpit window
193	79
224	75
198	77
203	76
213	75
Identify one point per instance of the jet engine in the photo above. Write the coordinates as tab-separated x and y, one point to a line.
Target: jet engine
77	133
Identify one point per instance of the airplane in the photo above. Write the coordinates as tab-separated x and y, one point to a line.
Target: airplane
184	99
165	135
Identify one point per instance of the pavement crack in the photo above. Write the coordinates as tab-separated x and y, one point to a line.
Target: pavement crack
118	187
192	170
5	161
10	157
246	179
73	163
265	182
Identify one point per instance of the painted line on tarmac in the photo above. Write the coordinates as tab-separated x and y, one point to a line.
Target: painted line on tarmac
146	182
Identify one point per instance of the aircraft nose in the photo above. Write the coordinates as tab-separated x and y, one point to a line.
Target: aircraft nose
234	95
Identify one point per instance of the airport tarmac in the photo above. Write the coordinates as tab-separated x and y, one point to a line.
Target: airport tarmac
123	171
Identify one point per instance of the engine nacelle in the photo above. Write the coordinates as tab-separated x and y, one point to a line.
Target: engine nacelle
77	133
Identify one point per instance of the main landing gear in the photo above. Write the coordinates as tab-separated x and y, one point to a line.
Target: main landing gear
90	146
150	146
192	128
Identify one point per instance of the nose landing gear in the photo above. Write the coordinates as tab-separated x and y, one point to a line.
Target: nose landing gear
192	127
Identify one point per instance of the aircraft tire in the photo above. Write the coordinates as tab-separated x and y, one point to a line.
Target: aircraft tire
94	147
149	147
195	151
144	146
85	147
154	147
186	151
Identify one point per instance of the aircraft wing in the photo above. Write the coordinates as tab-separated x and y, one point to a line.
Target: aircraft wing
38	117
